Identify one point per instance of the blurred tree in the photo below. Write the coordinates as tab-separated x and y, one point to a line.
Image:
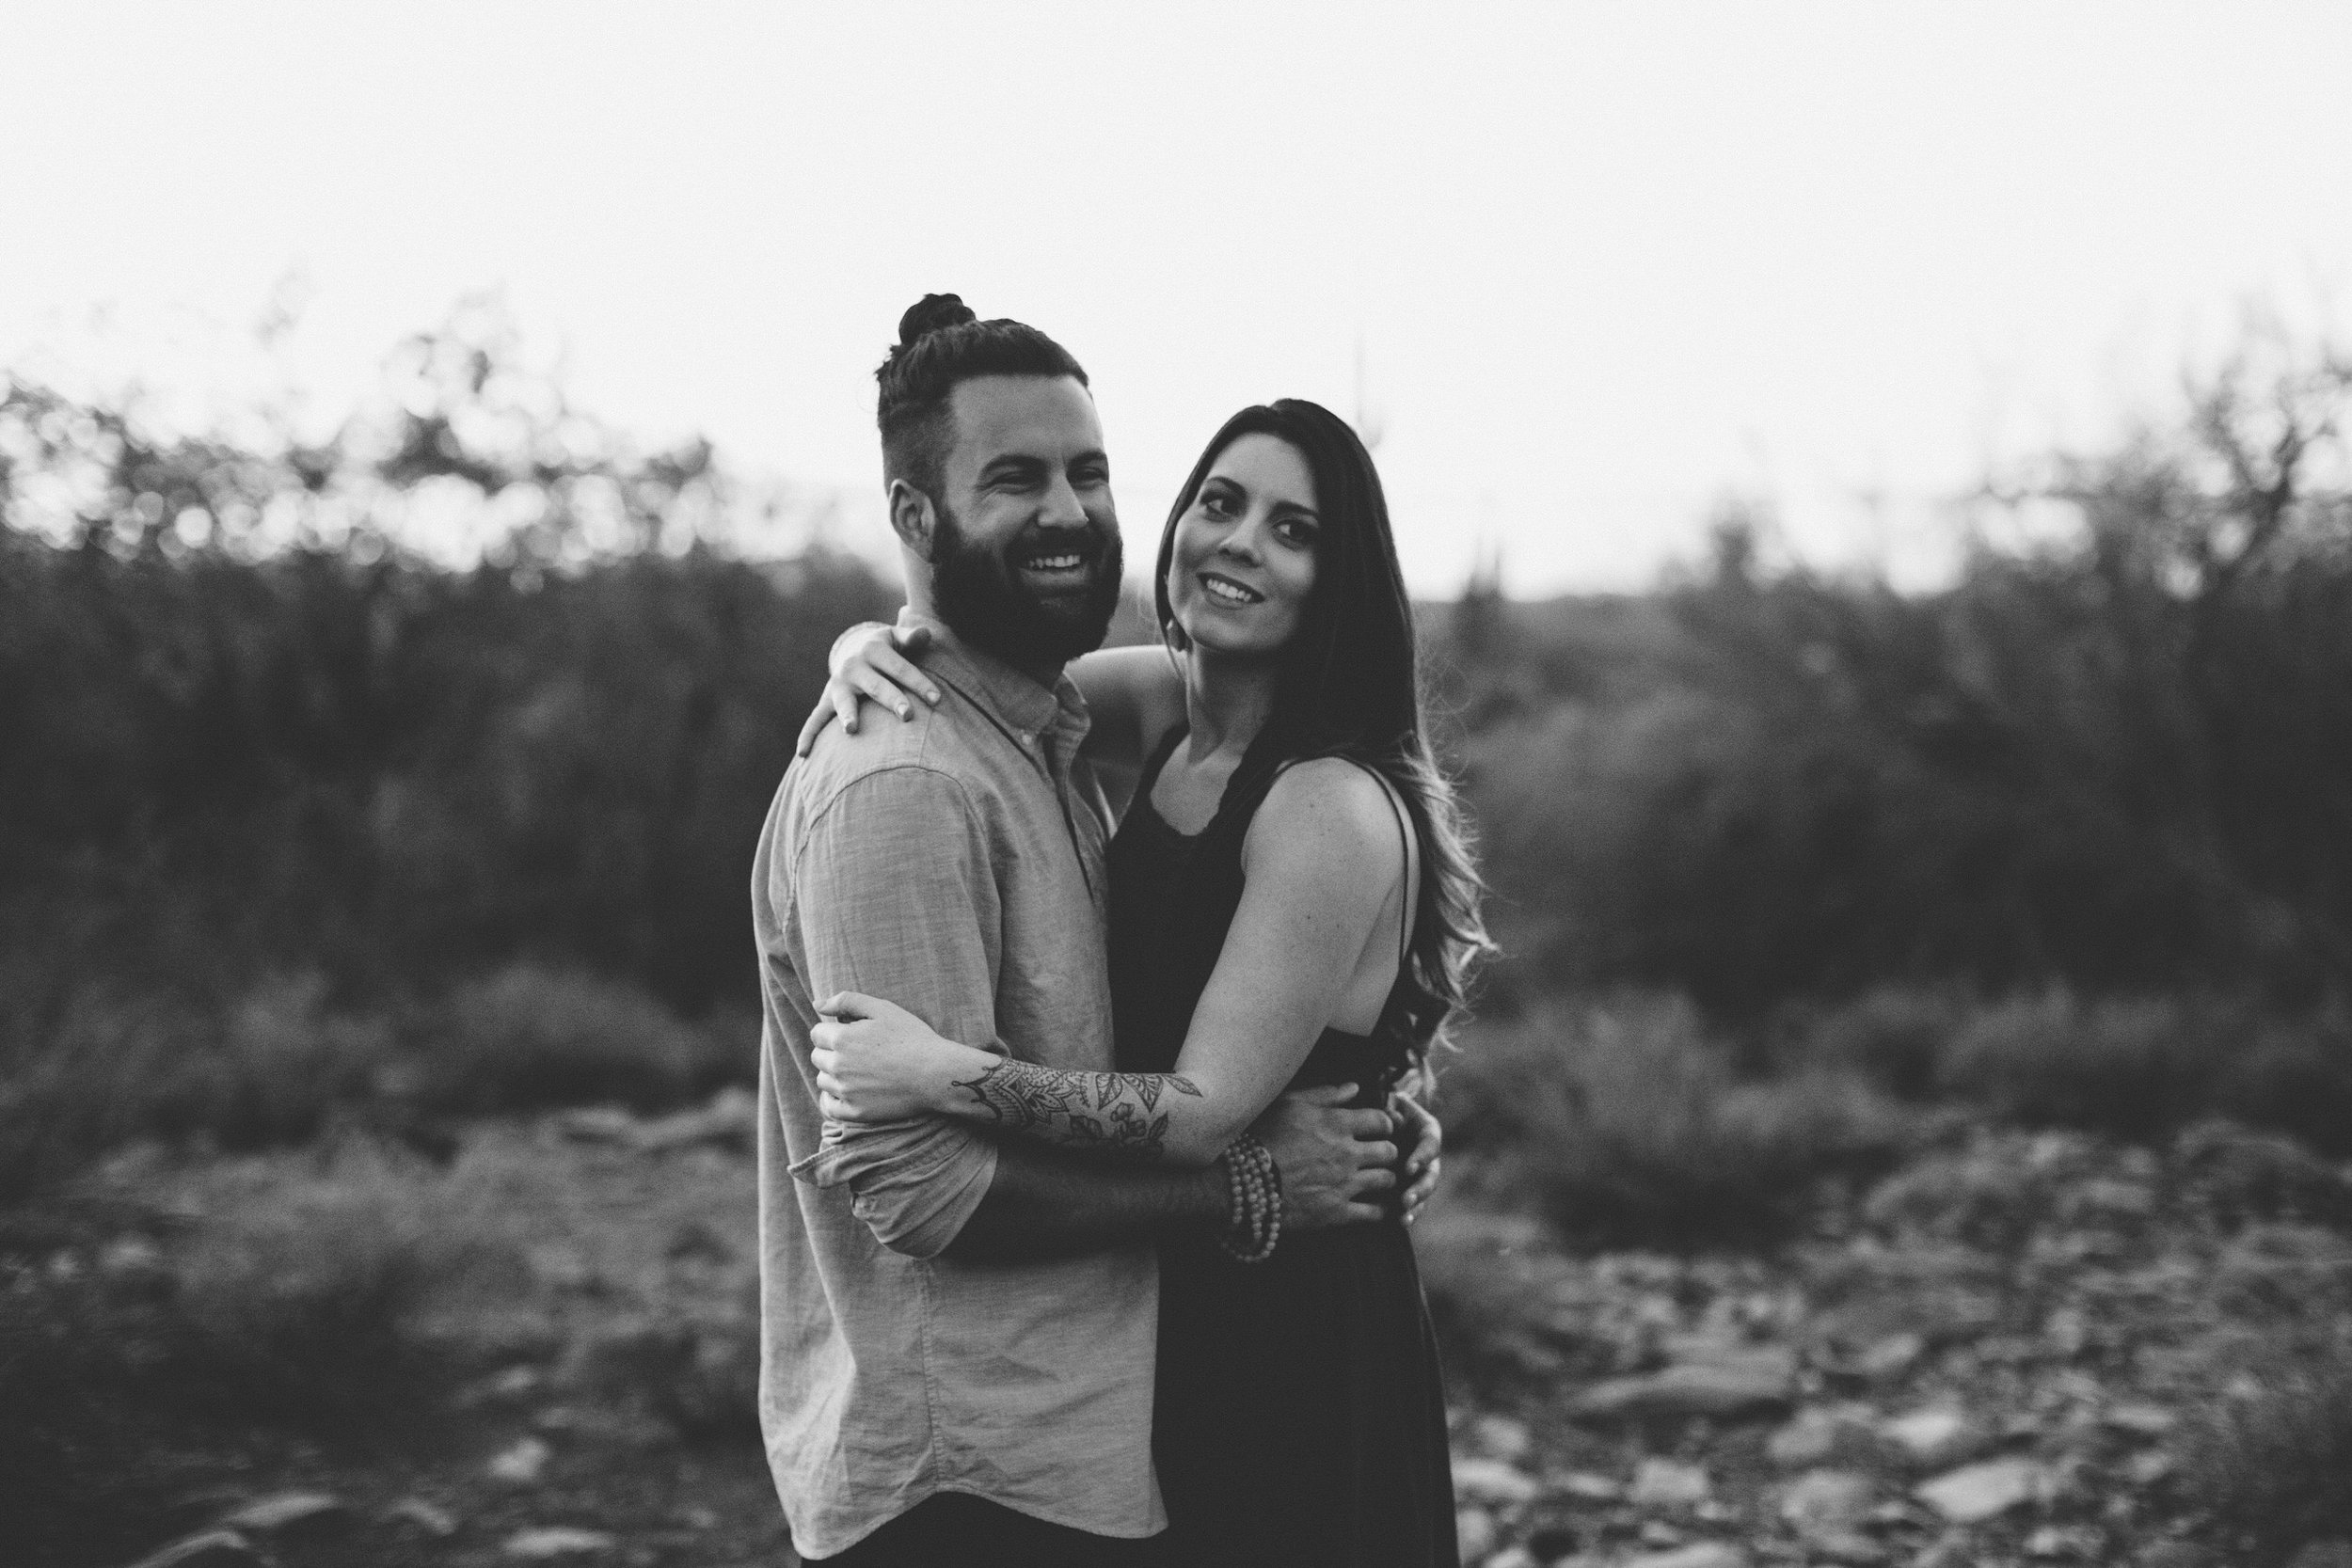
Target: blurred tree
2121	757
245	723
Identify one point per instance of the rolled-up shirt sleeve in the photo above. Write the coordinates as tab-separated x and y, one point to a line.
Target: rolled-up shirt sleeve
892	895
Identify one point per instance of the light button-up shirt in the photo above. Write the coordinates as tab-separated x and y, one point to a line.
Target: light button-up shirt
953	864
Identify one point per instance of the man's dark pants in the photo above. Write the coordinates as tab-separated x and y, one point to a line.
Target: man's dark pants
950	1528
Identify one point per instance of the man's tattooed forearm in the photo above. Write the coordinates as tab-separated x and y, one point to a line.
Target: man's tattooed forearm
1023	1097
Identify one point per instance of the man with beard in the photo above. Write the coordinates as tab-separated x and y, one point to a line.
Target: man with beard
958	1334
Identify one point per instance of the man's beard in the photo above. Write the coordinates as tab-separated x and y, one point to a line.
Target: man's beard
977	592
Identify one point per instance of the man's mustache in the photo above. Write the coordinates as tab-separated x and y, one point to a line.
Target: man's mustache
1090	539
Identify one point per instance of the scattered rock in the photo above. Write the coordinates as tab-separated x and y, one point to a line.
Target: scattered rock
1586	1487
2105	1199
1890	1357
2140	1420
598	1124
2149	1466
1493	1483
554	1541
701	1376
1720	1392
1657	1532
1663	1483
1475	1529
2058	1542
516	1383
1975	1492
1502	1438
1699	1554
1512	1556
1817	1434
522	1463
1935	1435
730	1121
2067	1331
1827	1502
431	1518
1950	1550
288	1513
1827	1509
213	1548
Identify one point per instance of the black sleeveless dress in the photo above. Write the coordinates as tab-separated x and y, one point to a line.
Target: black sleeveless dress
1299	1418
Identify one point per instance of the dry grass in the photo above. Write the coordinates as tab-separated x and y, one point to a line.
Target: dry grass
1627	1125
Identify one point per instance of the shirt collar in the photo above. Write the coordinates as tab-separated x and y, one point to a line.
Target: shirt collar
1019	705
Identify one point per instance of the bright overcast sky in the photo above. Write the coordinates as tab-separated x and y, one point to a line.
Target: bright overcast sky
1603	263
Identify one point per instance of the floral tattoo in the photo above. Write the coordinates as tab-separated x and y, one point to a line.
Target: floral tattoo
1082	1110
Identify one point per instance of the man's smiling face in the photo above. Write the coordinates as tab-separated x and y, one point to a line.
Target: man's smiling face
1025	551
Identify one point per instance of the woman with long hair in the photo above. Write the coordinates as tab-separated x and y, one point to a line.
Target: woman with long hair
1292	905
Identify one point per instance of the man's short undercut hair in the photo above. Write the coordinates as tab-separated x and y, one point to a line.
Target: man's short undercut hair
940	342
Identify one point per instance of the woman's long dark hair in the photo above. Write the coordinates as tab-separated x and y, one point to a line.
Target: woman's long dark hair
1349	685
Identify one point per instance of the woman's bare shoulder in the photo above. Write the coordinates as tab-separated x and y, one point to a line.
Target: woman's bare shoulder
1329	806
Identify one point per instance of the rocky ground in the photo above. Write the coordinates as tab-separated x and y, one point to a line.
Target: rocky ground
2010	1351
2019	1348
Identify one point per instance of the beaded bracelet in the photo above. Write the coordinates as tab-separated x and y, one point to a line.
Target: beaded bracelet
1255	1220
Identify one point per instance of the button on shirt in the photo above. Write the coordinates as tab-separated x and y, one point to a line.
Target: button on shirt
953	864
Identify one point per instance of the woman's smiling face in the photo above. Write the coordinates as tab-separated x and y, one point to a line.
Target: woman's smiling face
1244	560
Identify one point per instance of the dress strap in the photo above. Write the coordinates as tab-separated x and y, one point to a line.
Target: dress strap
1412	881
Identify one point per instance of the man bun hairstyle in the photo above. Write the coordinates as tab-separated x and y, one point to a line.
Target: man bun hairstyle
929	315
940	342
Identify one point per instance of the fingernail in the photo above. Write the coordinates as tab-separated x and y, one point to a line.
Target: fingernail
931	696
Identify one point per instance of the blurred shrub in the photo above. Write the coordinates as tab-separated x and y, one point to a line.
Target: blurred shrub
283	1066
2137	1067
528	1037
96	1077
2133	1067
2275	1468
280	1066
1627	1125
280	1310
1894	1037
121	1065
2142	1066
